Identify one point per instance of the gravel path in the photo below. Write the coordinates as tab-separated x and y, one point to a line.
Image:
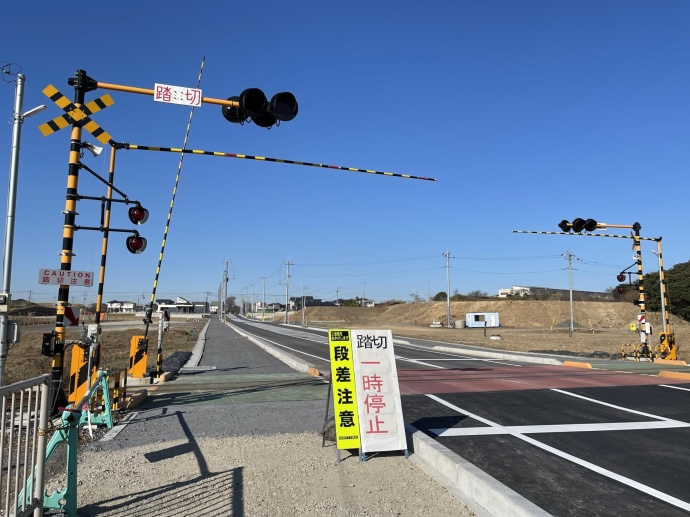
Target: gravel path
279	475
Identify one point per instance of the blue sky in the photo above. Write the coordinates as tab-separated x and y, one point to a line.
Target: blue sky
526	112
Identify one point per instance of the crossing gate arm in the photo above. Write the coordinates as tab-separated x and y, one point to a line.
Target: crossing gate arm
267	159
655	239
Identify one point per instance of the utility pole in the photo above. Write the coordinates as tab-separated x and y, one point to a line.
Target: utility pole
363	292
447	255
428	286
570	276
337	299
224	290
263	299
252	301
287	288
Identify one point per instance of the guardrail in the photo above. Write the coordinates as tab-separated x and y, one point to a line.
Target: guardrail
23	428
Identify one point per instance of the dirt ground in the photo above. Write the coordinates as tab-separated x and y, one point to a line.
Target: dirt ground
240	476
525	325
25	361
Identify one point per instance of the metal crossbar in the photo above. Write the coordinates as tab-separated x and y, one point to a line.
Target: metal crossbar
23	427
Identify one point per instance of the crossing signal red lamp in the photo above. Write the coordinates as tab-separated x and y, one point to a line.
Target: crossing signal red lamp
135	244
254	106
621	277
138	214
578	225
621	289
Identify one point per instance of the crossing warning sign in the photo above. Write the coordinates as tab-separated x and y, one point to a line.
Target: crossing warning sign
344	389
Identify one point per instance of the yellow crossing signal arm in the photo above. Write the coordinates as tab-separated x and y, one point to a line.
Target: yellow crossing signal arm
266	159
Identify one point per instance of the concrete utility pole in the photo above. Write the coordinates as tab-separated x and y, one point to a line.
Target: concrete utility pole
363	292
225	290
252	306
447	255
570	276
287	288
304	288
17	120
263	299
337	300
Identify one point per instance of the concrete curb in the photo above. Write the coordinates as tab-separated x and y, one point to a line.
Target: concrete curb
675	375
474	485
293	362
577	364
676	362
198	350
500	355
135	399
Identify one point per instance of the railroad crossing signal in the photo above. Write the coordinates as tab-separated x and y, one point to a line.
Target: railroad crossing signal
254	105
76	114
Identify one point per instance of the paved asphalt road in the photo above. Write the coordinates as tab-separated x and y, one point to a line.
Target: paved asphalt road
575	442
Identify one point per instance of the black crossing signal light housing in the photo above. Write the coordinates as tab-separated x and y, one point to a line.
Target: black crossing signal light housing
578	225
138	214
621	289
135	244
620	277
254	106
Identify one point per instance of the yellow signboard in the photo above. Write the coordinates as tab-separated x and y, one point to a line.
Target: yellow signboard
633	327
344	389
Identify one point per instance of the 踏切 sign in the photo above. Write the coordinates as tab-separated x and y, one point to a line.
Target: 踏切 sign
177	95
378	393
344	389
60	277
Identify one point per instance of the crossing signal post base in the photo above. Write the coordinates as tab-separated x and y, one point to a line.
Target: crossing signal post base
138	355
667	348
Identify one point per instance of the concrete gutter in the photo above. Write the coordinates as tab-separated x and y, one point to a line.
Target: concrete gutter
198	350
523	358
293	362
475	486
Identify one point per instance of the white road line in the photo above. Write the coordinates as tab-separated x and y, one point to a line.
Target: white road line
645	489
283	346
464	358
417	361
559	428
613	406
674	387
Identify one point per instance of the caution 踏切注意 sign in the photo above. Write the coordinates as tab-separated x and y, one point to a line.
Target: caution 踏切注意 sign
344	389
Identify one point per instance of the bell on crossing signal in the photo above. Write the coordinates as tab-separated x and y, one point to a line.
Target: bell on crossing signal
234	115
138	214
621	289
135	244
621	277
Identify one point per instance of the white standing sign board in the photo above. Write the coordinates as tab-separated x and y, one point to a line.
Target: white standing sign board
177	95
378	393
60	277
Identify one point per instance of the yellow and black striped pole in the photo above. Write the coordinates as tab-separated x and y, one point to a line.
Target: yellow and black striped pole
149	312
664	289
267	159
644	348
80	89
104	246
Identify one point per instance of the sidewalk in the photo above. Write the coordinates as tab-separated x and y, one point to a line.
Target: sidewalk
243	440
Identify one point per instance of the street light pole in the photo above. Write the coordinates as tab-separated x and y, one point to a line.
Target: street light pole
17	120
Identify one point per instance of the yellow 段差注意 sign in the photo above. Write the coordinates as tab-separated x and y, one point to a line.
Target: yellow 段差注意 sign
344	389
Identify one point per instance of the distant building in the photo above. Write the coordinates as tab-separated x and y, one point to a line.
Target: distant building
182	305
545	292
120	307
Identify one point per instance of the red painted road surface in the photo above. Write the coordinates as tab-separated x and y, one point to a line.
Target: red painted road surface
416	382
